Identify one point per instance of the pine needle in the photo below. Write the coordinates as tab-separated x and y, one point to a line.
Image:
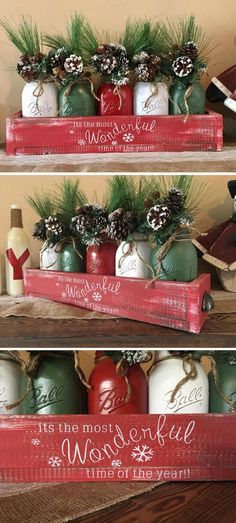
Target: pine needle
137	37
43	204
68	196
24	35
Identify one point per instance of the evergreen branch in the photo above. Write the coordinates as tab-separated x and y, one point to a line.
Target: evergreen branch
43	204
137	37
68	197
24	35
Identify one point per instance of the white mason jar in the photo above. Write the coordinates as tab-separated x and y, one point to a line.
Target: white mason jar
40	99
192	397
50	258
151	98
10	383
133	258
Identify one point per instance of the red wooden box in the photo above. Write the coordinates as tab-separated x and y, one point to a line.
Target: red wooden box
171	304
114	134
118	448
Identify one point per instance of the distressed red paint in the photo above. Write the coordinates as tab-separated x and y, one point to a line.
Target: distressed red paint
171	304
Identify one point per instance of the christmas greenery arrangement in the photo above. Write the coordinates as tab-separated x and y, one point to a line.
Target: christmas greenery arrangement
186	50
69	57
27	38
126	198
56	209
174	206
111	61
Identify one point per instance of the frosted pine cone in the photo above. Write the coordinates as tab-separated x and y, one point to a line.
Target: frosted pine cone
28	67
182	66
53	225
190	49
73	64
120	224
158	216
174	200
40	231
135	356
141	58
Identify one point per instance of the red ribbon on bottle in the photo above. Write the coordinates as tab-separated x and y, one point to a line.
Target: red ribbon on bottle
17	263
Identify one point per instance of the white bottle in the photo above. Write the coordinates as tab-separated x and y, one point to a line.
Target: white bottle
133	259
192	396
40	99
10	383
50	258
17	254
151	99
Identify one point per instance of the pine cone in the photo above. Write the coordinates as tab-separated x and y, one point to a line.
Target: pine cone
158	216
73	64
174	200
190	49
53	225
120	224
40	231
182	66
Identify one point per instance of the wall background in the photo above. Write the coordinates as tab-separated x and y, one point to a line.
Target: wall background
14	189
217	18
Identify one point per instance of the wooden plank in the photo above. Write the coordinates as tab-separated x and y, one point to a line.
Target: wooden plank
125	448
172	304
116	134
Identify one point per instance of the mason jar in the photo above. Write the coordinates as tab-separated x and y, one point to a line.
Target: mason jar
195	103
10	383
191	398
56	387
40	99
226	381
181	261
133	258
151	98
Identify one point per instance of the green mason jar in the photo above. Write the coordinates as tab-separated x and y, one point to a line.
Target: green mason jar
196	101
77	100
181	261
226	377
73	257
56	387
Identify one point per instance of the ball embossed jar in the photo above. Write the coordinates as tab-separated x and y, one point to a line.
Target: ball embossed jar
177	385
133	258
116	390
55	388
100	259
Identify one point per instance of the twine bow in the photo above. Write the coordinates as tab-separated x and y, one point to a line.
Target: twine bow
37	92
116	91
77	82
164	249
154	92
219	390
189	369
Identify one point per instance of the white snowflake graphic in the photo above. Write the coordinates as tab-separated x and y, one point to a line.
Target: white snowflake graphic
97	296
142	453
128	137
116	463
35	441
114	142
55	461
81	142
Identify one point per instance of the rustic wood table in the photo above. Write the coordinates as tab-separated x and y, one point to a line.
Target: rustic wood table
204	502
218	331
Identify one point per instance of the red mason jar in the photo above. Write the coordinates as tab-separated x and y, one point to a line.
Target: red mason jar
100	259
109	391
115	100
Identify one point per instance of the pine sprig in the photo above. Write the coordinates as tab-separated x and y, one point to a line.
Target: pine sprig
80	38
43	204
137	37
67	197
24	35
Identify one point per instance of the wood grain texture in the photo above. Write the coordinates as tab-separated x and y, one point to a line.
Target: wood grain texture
204	502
